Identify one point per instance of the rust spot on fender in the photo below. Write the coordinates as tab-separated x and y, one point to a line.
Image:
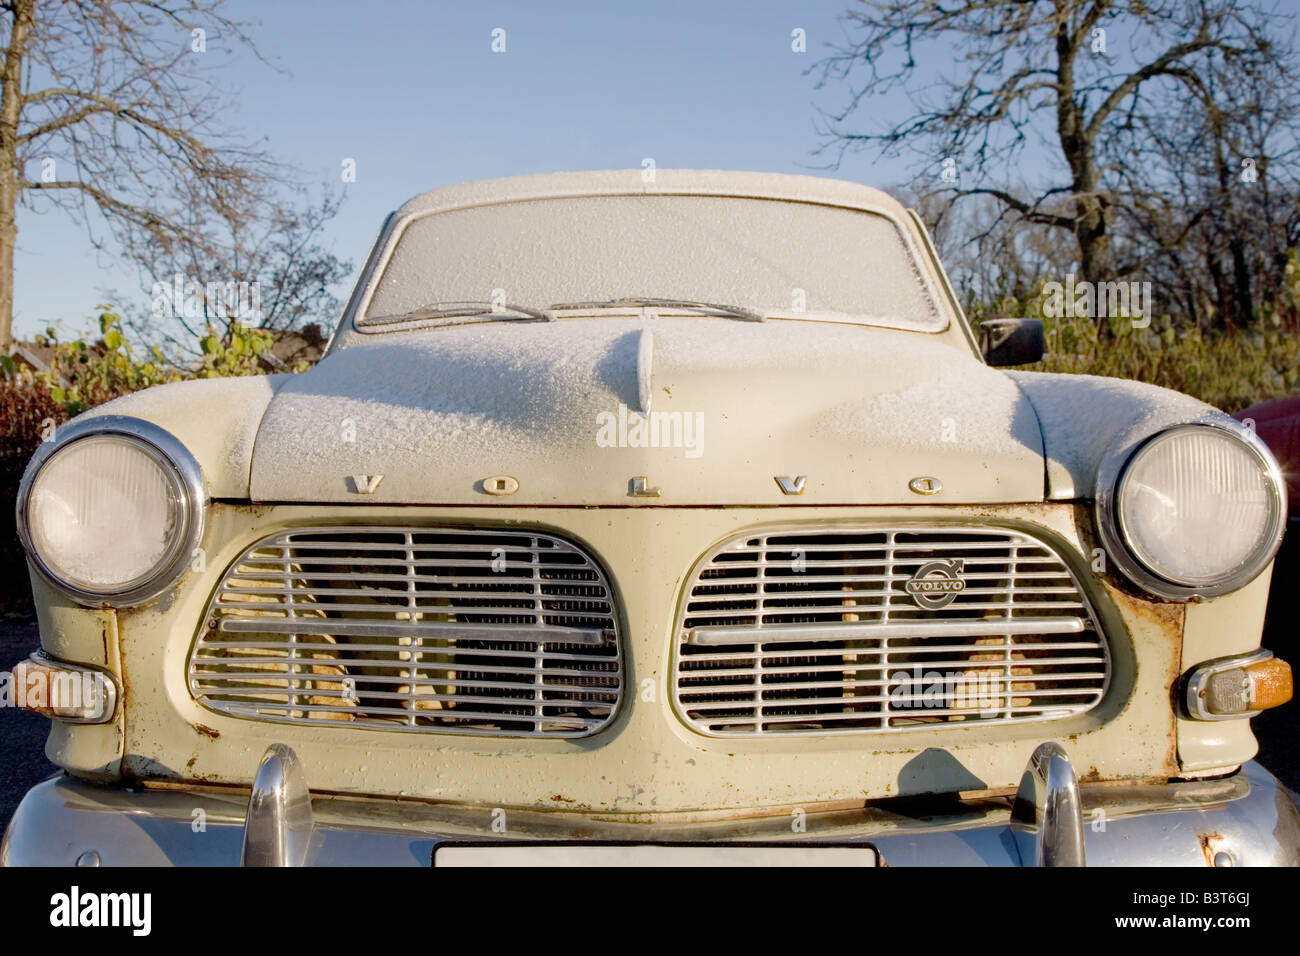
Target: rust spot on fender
1209	843
1166	615
207	731
243	508
1166	618
561	798
1021	511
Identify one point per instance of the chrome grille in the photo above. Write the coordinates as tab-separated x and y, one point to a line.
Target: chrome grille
814	632
442	630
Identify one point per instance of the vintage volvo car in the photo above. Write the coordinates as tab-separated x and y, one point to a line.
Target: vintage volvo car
655	516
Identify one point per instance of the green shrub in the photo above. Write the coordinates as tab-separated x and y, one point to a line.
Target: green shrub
1227	368
27	413
84	373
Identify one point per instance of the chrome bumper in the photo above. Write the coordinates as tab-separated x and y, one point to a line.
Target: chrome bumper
1247	819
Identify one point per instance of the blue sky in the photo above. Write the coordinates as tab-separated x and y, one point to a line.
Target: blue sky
413	93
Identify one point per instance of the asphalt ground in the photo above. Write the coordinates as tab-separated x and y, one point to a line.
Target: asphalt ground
22	735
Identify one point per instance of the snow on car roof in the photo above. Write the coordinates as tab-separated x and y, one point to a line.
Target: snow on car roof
612	182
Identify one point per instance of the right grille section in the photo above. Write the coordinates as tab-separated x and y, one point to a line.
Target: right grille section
841	631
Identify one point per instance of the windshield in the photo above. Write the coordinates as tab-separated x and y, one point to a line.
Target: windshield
784	259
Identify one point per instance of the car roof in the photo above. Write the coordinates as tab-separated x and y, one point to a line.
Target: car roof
611	182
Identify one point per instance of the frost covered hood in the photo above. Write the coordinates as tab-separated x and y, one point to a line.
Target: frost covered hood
573	410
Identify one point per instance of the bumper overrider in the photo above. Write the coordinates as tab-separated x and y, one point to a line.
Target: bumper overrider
1246	819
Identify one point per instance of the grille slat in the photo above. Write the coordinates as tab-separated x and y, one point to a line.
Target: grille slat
435	630
815	631
826	610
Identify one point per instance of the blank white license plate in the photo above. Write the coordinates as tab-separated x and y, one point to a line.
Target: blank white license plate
652	854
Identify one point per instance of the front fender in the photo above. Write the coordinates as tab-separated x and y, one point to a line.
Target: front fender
216	419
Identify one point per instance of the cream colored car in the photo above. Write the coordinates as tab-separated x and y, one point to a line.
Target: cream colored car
638	517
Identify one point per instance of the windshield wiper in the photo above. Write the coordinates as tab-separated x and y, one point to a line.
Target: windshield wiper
455	310
739	312
437	312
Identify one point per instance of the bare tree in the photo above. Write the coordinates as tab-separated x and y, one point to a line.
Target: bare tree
1214	190
1074	78
991	259
110	110
281	257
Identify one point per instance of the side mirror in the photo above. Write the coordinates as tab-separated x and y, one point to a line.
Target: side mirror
1011	341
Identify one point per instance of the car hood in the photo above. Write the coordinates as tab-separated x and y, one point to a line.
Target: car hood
707	411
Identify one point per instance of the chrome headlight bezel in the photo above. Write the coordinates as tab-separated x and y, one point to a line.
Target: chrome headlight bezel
170	454
1111	480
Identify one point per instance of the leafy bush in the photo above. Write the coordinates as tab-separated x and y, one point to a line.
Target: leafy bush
27	412
1228	368
84	373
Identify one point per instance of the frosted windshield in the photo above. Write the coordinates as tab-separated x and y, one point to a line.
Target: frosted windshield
782	258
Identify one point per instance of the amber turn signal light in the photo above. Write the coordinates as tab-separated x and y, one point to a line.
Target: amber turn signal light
1240	686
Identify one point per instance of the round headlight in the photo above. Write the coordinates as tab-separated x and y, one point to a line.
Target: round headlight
111	511
1201	509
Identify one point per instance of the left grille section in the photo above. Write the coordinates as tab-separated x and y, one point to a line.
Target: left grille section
440	630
